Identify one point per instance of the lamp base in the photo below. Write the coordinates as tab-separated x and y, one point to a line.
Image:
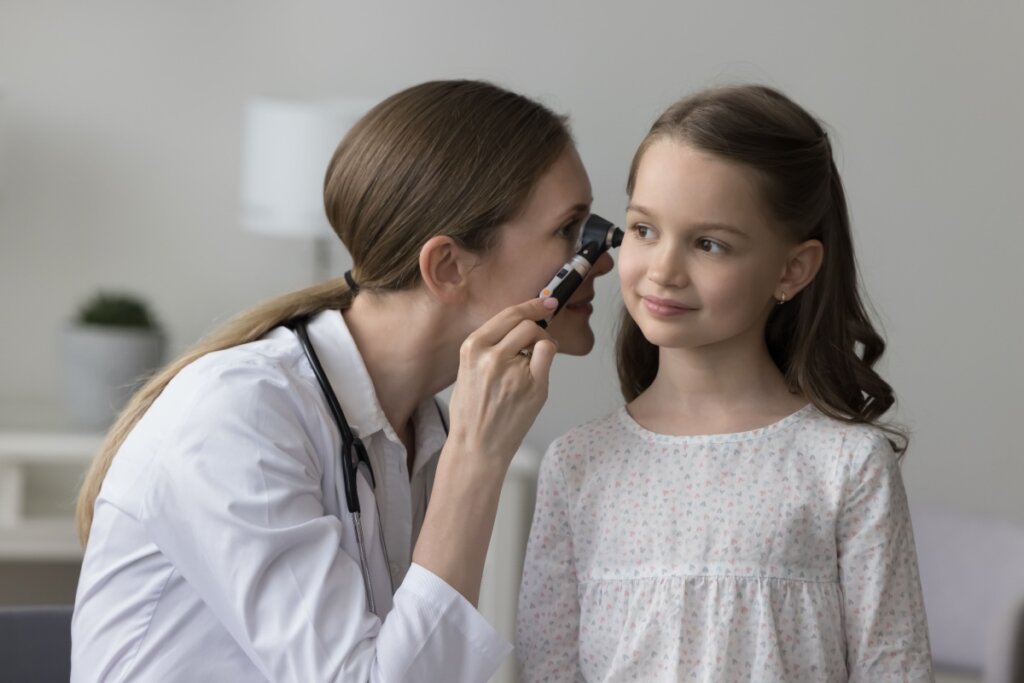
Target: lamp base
321	259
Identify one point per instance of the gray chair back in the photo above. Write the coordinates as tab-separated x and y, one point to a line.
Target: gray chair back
35	644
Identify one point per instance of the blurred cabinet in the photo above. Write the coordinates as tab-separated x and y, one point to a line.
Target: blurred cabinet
504	567
40	556
39	476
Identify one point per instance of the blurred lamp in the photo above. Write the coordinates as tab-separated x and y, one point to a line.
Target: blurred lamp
287	145
3	146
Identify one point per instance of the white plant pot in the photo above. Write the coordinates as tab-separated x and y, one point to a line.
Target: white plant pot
102	366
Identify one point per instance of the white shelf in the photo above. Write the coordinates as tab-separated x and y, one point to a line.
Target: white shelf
37	456
26	453
40	540
35	447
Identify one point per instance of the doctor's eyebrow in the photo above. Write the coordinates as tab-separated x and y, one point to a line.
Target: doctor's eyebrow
575	209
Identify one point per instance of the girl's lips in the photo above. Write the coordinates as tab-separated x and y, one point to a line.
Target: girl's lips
665	307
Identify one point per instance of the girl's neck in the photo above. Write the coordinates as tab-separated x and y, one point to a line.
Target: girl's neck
408	350
714	390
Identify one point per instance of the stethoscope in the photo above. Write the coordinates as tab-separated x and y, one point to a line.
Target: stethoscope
353	459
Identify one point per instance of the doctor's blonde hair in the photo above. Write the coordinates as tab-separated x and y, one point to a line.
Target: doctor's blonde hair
456	158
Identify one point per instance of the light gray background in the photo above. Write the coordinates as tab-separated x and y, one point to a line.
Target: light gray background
121	147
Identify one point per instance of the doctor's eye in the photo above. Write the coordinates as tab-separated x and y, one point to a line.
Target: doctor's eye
571	231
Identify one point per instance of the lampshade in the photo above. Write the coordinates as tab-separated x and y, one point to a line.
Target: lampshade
287	145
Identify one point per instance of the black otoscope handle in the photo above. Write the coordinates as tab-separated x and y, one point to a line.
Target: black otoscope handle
599	235
563	291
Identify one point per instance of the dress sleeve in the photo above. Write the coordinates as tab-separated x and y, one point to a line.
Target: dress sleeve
883	610
547	628
235	504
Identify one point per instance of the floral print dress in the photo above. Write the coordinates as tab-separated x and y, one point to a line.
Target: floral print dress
779	554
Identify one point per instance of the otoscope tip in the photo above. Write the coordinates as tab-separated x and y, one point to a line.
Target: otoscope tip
617	236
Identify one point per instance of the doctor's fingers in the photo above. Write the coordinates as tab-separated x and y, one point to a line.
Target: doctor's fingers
495	329
515	369
512	371
522	338
497	397
540	363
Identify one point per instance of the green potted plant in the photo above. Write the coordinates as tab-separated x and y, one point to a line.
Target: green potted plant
112	344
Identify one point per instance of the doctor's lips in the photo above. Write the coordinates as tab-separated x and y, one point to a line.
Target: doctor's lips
584	306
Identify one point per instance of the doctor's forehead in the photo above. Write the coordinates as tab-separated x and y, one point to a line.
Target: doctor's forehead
564	190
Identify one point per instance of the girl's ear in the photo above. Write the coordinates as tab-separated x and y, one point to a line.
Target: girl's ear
802	265
444	267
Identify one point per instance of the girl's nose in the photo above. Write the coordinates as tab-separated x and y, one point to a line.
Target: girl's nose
667	269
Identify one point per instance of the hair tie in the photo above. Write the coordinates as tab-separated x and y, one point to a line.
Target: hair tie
350	281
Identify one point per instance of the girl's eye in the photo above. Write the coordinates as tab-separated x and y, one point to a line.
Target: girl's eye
710	246
643	232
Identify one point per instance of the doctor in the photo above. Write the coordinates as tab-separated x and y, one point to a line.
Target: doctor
220	542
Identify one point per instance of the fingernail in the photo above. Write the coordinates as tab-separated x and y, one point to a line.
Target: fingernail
551	302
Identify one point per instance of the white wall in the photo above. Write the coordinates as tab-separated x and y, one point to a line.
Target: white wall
121	125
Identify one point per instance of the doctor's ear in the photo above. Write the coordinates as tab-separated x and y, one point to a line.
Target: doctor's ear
444	268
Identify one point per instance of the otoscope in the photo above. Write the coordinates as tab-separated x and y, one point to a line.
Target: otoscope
598	237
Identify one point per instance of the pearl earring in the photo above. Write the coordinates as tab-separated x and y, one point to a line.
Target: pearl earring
782	299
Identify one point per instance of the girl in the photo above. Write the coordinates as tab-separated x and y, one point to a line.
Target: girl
222	543
742	517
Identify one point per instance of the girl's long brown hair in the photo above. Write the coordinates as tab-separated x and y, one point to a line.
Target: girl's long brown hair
456	158
823	340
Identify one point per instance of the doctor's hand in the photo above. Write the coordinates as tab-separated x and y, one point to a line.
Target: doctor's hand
501	386
502	383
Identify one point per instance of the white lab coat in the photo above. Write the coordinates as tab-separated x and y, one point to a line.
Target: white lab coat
222	549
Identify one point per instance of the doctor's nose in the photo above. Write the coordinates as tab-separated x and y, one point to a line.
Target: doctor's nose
602	265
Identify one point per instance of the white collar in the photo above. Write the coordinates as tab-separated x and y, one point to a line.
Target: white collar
354	388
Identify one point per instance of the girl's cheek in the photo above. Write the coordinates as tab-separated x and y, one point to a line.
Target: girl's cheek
631	270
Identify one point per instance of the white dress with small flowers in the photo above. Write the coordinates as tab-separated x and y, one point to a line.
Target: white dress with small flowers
780	554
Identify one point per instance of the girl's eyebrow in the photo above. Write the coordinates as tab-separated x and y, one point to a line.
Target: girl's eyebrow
639	209
704	225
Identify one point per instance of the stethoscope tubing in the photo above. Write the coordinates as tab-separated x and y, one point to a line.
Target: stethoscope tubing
350	446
